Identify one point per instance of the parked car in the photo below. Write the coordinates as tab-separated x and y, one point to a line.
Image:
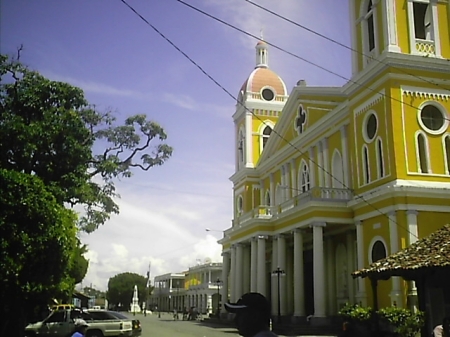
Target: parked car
60	323
137	329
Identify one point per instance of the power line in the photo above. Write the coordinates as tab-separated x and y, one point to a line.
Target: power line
226	91
339	43
299	57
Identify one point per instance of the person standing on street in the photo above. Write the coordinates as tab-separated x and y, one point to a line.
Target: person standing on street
80	328
253	313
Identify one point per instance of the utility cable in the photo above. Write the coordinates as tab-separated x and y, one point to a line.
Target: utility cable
300	57
340	44
234	98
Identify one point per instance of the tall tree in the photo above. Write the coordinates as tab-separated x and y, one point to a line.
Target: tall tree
37	236
48	129
47	134
121	286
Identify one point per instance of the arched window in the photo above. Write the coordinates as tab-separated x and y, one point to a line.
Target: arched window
265	135
378	251
304	182
241	147
422	21
337	180
366	167
267	203
239	205
380	159
422	154
370	27
447	152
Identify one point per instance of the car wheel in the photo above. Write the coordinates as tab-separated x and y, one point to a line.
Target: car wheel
94	333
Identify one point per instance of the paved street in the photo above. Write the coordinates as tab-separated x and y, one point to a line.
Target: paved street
166	327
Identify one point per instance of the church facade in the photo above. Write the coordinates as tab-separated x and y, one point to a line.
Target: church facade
330	179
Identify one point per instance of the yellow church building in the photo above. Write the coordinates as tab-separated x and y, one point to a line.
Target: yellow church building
330	179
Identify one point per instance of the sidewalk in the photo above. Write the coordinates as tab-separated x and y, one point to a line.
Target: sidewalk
286	330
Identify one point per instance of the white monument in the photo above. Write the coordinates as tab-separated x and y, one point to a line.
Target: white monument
135	301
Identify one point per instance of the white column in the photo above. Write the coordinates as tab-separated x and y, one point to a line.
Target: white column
355	47
326	166
344	145
272	193
225	273
262	196
233	275
312	168
262	274
319	270
411	218
253	265
299	282
281	246
320	167
361	296
396	293
209	307
351	267
331	277
248	140
239	270
273	279
294	187
390	26
246	263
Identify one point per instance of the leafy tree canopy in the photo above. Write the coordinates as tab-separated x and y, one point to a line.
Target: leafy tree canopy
121	287
37	235
49	129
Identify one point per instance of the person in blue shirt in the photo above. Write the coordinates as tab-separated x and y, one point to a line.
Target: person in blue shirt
80	328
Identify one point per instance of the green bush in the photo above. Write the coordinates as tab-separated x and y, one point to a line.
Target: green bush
354	312
402	321
405	322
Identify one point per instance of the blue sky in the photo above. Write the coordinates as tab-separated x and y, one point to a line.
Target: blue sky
124	65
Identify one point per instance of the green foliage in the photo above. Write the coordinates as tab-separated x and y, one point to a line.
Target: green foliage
49	129
121	287
37	235
48	133
406	322
354	312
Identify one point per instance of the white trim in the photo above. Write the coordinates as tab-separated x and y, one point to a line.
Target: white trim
446	157
380	157
426	150
364	126
262	127
365	165
441	109
375	239
370	102
335	182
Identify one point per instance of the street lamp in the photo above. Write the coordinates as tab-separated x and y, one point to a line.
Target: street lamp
218	283
159	306
279	272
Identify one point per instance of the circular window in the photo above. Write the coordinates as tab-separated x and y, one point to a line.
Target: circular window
371	127
378	251
432	119
268	94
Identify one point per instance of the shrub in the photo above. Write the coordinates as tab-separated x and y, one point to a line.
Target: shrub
354	312
405	322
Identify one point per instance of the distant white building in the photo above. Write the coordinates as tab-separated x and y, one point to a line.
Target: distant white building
198	287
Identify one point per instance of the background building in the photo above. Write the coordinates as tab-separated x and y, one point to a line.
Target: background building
331	179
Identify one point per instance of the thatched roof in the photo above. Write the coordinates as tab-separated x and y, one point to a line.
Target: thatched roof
424	255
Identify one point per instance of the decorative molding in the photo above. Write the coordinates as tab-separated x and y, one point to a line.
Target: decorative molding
425	93
369	103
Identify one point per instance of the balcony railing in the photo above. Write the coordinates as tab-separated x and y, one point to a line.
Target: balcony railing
318	194
425	47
